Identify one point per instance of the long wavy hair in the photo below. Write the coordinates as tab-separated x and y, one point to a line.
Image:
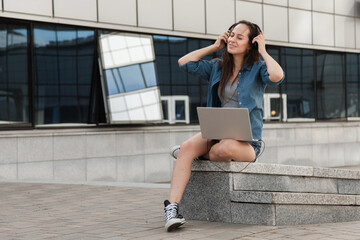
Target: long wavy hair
227	60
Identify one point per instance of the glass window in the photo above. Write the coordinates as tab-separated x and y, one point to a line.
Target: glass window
330	86
353	85
14	81
64	59
299	84
172	80
129	77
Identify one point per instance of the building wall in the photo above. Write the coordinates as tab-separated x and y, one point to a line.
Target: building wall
317	24
141	154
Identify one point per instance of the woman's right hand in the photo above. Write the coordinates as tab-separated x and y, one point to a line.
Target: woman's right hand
221	42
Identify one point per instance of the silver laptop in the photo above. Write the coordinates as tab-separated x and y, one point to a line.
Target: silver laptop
225	123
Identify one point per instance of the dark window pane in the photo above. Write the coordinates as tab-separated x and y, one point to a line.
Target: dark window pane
353	85
330	86
298	87
14	82
180	110
64	58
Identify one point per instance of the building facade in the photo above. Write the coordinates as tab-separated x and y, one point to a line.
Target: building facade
90	90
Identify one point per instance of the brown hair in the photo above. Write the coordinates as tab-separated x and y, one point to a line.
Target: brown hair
227	60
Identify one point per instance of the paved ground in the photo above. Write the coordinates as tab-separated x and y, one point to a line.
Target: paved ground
66	212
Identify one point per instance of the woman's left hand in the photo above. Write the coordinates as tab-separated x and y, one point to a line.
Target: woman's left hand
260	39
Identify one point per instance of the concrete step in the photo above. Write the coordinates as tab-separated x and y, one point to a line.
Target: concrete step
271	194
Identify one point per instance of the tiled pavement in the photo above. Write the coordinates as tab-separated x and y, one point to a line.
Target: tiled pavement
65	212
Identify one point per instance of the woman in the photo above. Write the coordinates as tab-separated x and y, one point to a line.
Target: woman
238	79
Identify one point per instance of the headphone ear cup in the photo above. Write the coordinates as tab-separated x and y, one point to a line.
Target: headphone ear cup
255	45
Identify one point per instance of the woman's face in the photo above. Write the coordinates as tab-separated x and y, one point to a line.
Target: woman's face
238	41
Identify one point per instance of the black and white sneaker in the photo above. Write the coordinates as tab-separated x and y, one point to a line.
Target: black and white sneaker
173	219
174	151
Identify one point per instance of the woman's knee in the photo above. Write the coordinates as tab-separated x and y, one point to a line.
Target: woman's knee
222	151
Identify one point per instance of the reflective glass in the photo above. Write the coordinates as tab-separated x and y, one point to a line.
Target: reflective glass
353	85
132	78
122	49
330	86
180	110
171	79
148	70
299	86
64	59
14	81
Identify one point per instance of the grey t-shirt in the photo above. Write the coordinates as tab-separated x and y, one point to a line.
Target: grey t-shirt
230	99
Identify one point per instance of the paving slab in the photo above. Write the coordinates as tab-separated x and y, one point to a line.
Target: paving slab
66	211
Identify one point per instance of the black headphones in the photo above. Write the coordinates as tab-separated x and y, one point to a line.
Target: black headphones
255	44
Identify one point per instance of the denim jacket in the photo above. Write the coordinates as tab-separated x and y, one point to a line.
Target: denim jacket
252	81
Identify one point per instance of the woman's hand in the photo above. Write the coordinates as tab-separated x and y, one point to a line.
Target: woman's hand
260	40
221	42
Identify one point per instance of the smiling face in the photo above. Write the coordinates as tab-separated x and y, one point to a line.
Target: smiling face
238	41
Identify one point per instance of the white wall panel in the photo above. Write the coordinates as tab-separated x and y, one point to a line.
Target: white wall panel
214	24
259	1
323	29
155	14
119	12
303	4
323	6
344	32
357	22
275	23
345	7
277	2
189	15
300	26
76	9
39	7
249	11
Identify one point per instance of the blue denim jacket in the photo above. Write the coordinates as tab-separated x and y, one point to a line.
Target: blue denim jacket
252	81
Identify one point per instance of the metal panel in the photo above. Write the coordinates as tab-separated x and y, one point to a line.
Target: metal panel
323	6
323	29
275	23
277	2
76	9
304	4
345	7
39	7
214	24
344	32
249	11
189	15
300	26
118	12
155	14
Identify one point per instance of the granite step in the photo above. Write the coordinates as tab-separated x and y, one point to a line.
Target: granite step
271	194
294	198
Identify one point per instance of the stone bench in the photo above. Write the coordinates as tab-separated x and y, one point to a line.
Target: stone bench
271	194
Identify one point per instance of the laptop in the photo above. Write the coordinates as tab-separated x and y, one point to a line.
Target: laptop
225	123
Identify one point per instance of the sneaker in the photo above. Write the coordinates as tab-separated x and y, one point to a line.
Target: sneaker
173	219
174	151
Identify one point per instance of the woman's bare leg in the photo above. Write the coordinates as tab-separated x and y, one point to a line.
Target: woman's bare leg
228	149
189	150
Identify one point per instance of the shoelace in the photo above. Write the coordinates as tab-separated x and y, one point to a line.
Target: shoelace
170	212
